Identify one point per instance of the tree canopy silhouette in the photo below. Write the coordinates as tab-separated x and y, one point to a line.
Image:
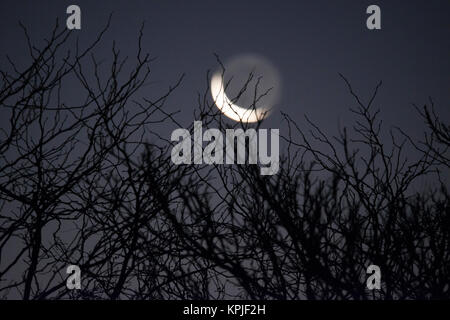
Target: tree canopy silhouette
91	183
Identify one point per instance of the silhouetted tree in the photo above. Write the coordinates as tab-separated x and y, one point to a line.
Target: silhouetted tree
92	183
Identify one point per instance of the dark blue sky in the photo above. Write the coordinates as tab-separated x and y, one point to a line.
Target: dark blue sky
309	42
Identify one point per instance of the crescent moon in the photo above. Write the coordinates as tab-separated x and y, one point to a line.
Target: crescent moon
230	109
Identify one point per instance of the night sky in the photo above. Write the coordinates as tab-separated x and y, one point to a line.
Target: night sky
309	42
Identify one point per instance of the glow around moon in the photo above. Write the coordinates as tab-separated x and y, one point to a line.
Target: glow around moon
266	102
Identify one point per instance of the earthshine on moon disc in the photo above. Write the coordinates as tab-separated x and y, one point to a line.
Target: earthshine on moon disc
261	94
